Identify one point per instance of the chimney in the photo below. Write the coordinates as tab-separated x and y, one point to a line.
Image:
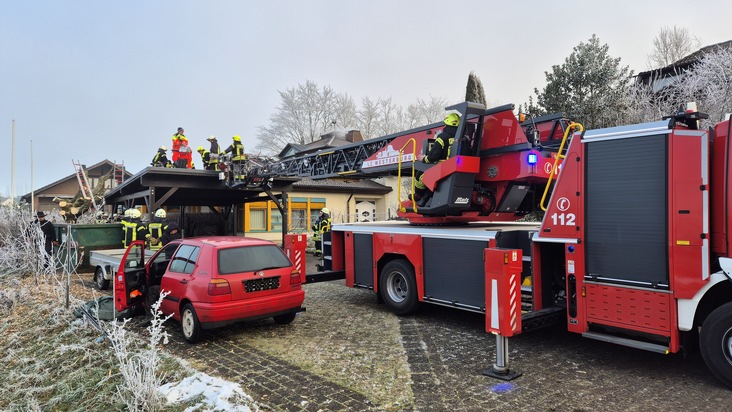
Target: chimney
354	136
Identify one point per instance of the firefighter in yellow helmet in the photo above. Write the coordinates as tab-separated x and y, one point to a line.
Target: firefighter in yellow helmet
206	158
439	152
238	158
321	226
156	228
161	158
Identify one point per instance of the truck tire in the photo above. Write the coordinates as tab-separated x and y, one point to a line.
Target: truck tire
189	324
398	287
715	343
102	284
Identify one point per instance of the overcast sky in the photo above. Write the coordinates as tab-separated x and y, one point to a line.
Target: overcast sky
95	80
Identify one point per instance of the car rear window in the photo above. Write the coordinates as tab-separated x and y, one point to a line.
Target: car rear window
251	259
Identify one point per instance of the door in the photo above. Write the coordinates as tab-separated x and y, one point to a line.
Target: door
177	278
129	280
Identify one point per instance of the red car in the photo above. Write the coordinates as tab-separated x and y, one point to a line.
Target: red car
211	282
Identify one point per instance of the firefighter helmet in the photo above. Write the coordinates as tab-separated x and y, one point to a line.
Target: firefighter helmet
160	213
200	149
452	119
135	213
211	138
127	213
237	138
325	210
163	148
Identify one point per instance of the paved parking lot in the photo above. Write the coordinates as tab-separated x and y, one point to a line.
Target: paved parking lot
348	353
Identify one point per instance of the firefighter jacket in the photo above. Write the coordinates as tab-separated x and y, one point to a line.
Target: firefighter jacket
441	147
134	230
322	225
214	154
237	151
160	159
177	141
156	229
206	159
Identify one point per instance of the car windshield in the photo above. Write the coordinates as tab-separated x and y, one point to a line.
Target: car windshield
251	259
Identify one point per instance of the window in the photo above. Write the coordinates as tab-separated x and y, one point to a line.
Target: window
298	219
276	220
257	219
314	215
251	259
185	259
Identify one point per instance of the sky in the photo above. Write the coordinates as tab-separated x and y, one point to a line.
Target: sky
93	80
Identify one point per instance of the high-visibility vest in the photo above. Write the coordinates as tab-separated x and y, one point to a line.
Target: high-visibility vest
156	231
238	151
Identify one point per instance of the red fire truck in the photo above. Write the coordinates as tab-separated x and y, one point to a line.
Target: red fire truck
634	247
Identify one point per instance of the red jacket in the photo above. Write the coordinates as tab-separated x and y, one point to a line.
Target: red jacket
177	140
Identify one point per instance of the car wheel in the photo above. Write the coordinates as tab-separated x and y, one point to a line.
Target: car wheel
285	319
153	294
715	343
189	324
398	287
102	284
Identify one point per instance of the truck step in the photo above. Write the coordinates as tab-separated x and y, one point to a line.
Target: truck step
543	318
651	347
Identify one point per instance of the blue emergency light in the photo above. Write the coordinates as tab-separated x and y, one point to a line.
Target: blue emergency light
532	158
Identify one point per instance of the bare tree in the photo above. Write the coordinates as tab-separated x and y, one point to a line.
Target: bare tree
425	112
670	45
304	114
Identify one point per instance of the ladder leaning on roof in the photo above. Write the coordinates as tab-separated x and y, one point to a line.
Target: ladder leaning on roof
84	182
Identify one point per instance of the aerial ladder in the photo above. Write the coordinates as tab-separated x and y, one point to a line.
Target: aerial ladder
498	172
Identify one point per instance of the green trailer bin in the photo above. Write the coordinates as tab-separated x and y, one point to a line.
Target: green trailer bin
91	237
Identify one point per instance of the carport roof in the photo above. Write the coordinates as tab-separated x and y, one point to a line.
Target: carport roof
186	187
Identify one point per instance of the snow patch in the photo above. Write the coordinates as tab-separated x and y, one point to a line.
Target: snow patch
218	394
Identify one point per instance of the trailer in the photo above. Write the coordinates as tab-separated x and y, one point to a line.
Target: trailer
106	264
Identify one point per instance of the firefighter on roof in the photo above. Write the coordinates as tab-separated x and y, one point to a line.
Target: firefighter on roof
185	156
439	152
237	157
178	139
206	158
214	153
161	158
321	226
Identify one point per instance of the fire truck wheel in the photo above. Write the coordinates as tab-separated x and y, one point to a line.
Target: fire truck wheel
715	343
102	284
189	324
398	287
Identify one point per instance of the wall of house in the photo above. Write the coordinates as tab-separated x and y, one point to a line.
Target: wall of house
263	220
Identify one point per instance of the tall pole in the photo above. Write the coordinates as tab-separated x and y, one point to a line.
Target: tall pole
12	167
33	194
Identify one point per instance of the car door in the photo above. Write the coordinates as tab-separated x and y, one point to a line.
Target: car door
129	281
177	278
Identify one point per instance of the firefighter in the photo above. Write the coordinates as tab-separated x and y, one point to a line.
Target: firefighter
440	151
215	152
206	158
185	156
156	228
125	222
321	226
178	139
161	158
135	228
237	157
